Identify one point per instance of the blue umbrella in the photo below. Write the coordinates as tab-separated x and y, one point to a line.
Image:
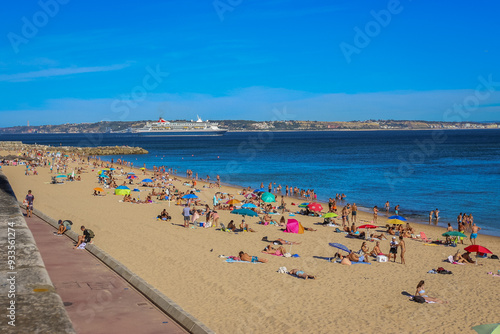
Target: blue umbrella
339	246
245	212
189	196
261	190
104	175
398	217
147	180
249	205
59	176
303	205
130	173
112	169
122	187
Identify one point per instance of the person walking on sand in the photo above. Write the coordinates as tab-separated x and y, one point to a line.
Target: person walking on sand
29	203
402	245
473	235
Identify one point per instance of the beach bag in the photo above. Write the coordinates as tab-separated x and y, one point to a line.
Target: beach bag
91	233
494	257
419	299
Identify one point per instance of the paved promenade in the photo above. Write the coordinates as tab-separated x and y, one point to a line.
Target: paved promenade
96	298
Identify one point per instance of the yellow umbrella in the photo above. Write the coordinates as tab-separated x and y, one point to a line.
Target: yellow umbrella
142	168
106	169
395	222
98	189
233	202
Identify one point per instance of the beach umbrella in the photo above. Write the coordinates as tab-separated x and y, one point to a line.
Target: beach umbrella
339	246
245	212
98	189
303	205
250	195
395	222
147	180
398	217
189	196
131	177
477	249
103	175
106	169
315	207
112	169
454	234
122	187
368	226
330	215
130	173
233	202
268	197
487	329
135	189
249	206
59	176
142	168
260	190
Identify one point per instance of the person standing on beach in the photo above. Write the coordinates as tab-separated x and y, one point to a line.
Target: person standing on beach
402	245
354	213
387	207
375	214
396	209
187	214
29	203
270	187
459	220
473	235
431	215
393	249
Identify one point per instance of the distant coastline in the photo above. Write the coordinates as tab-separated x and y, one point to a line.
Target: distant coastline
252	126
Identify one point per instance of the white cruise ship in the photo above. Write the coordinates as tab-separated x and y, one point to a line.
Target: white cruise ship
166	128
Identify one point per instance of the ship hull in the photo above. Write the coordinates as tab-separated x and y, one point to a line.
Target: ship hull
169	133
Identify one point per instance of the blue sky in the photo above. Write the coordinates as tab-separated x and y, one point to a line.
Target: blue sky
85	61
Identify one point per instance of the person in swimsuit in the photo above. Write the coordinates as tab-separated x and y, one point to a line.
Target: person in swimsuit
245	257
375	214
473	235
354	213
280	251
301	274
396	209
376	250
387	207
421	292
402	245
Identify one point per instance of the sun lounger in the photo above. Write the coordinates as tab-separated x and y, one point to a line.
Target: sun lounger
424	237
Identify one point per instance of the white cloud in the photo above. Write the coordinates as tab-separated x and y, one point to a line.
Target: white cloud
53	72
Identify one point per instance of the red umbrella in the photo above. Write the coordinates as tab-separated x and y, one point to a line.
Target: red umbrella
368	226
315	207
477	249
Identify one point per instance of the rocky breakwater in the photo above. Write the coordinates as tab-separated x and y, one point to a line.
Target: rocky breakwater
97	150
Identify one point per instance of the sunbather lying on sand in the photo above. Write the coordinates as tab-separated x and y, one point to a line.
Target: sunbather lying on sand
301	274
244	227
380	236
280	241
459	258
245	257
280	251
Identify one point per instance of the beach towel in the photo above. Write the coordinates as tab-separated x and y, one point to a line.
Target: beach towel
238	261
450	260
352	262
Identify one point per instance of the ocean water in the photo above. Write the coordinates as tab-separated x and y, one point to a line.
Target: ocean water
454	170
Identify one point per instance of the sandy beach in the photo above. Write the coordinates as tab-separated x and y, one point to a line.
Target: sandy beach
253	298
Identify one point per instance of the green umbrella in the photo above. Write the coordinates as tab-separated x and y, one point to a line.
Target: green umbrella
268	197
487	329
330	215
454	234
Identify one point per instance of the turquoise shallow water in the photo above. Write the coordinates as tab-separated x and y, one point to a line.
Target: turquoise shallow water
455	170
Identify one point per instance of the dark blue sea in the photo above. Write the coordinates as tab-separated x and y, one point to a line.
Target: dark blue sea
453	170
